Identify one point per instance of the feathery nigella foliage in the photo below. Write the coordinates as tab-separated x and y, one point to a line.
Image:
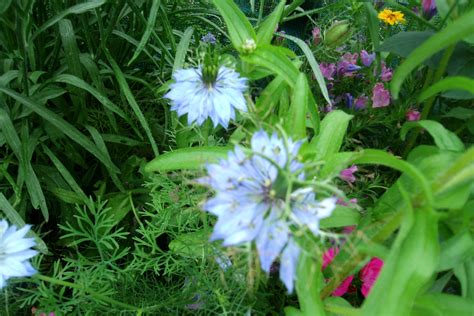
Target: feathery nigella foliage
255	201
15	251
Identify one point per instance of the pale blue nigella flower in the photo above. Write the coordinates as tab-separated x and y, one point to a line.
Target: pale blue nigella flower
15	252
216	97
250	202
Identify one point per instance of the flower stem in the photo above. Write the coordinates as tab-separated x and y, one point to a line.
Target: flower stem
99	296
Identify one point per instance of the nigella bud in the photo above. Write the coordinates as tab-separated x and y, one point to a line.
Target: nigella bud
337	33
249	46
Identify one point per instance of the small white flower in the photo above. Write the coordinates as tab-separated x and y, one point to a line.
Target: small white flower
15	252
217	100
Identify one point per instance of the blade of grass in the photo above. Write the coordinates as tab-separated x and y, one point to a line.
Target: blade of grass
131	100
64	126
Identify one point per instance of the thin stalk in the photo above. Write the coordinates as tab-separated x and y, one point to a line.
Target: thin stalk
7	311
99	296
443	64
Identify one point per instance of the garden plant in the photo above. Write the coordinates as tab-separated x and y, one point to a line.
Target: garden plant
237	157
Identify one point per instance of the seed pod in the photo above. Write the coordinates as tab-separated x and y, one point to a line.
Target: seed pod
337	33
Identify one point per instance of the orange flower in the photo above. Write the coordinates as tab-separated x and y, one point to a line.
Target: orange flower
391	17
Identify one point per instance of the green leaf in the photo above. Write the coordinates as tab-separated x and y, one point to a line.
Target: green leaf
332	132
443	305
374	25
295	123
103	148
455	251
374	156
76	9
131	100
460	113
341	217
269	25
18	221
449	83
453	33
443	138
403	43
148	29
270	96
79	83
62	125
4	5
313	64
66	174
274	59
401	280
465	275
238	26
308	281
187	158
182	49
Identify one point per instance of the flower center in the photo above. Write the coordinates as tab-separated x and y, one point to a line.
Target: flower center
210	70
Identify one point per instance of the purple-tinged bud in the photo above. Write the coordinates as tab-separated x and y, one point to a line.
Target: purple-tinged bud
316	35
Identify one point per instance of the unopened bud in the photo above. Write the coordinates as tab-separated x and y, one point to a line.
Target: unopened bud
249	46
337	34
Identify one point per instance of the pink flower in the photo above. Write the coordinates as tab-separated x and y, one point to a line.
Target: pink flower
351	58
34	310
349	229
429	8
386	73
316	34
328	256
343	203
380	96
369	274
367	59
413	115
348	174
328	70
344	287
361	102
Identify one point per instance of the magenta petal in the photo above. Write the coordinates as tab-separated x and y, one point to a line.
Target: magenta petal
342	289
369	274
328	256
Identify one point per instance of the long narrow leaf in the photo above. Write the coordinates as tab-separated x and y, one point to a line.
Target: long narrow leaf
61	124
131	100
182	49
239	27
149	28
314	65
76	9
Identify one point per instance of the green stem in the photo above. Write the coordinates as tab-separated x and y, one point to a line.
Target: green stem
99	296
443	64
307	286
6	302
